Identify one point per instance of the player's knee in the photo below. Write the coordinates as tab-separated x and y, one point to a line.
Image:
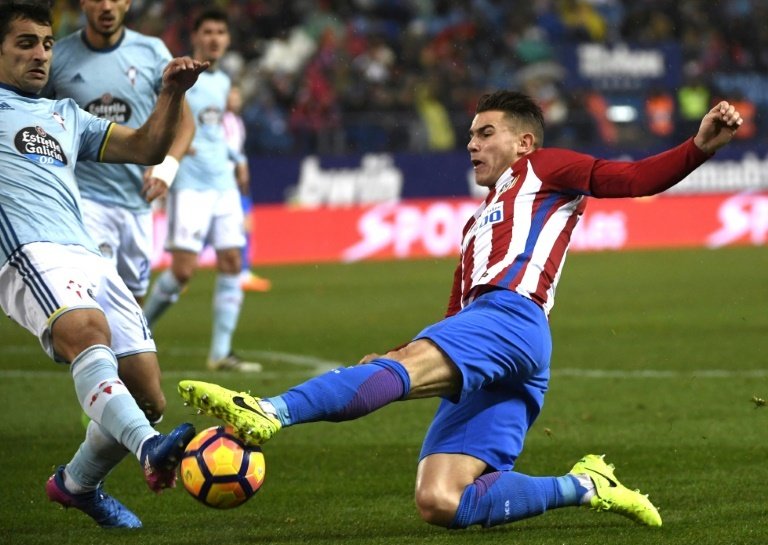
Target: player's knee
436	506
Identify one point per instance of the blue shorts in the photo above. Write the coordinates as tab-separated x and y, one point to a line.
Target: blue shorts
502	345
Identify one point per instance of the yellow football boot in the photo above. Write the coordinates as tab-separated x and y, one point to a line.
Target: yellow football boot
611	495
238	409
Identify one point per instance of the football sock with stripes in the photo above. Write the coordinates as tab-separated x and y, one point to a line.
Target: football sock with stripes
343	394
106	400
227	301
506	496
164	293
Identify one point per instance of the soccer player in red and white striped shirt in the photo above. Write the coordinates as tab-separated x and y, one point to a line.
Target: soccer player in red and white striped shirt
488	359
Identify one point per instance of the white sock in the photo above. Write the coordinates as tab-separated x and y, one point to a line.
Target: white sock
106	400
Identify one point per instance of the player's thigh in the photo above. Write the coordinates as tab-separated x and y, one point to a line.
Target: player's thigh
130	332
500	336
43	281
190	214
227	228
489	424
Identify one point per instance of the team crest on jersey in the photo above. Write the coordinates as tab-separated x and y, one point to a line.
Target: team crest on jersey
37	145
509	184
109	107
131	73
210	116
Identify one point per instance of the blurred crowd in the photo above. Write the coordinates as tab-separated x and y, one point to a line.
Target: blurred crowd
350	76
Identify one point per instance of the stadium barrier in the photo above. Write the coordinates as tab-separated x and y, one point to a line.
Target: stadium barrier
424	228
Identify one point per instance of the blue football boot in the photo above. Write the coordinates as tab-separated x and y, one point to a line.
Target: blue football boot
161	455
97	504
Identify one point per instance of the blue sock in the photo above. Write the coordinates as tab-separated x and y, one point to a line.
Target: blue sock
343	394
507	496
227	301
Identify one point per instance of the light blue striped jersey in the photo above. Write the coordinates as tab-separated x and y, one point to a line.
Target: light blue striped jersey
207	165
120	83
41	141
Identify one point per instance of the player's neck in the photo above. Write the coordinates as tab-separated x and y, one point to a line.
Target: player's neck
101	41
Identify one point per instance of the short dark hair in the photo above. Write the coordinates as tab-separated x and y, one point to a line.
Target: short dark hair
211	14
11	11
518	107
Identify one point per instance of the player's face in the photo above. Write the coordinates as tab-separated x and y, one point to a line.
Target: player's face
105	17
493	146
210	41
25	55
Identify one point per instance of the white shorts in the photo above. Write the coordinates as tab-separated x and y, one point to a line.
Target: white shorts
42	280
125	238
197	218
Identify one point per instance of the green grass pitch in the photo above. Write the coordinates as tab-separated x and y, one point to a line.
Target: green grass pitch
657	356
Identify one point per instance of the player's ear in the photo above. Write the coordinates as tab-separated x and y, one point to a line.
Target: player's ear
527	143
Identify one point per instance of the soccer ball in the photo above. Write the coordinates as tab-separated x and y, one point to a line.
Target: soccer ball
218	470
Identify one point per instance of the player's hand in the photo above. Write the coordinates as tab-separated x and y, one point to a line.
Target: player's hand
368	358
718	127
153	188
181	73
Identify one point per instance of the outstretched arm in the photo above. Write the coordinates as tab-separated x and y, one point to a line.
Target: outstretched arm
149	144
718	127
658	173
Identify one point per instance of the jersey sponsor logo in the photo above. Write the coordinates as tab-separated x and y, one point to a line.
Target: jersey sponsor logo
109	107
37	145
77	78
5	106
493	214
210	116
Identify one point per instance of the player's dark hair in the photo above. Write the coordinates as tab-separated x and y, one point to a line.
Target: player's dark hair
210	14
11	11
518	107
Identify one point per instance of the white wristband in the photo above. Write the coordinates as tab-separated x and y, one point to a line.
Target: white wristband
166	171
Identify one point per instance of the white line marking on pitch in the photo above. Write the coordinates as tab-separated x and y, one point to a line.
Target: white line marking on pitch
312	365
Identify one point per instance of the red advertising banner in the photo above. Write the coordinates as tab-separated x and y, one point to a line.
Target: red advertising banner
432	227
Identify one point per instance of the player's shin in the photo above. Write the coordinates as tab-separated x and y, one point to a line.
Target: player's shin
343	394
164	293
106	400
507	496
98	454
227	301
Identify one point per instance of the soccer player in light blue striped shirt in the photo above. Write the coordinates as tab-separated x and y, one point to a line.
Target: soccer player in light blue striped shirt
204	203
116	73
54	282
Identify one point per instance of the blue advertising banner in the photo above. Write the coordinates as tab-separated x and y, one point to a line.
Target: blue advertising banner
621	67
313	181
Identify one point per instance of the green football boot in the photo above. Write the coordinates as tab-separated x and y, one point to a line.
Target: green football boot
238	409
611	495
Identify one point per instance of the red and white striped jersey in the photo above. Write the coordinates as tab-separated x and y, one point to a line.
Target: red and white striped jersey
519	237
